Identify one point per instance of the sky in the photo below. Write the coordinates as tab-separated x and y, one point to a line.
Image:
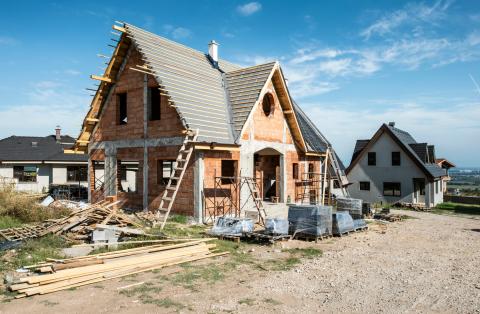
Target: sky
351	65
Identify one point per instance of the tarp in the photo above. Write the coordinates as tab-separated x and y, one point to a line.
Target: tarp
313	220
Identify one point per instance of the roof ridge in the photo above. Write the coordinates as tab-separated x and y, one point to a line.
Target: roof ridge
201	53
253	66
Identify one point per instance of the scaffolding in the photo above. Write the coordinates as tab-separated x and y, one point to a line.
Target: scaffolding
225	198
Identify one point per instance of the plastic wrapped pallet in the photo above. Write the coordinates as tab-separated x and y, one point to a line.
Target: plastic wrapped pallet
312	220
276	226
342	222
232	226
359	224
352	205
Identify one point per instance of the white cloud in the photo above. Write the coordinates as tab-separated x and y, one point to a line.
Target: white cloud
7	41
411	14
249	8
72	72
451	128
177	32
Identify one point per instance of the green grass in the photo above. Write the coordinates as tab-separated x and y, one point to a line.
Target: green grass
180	230
272	301
193	274
165	303
456	208
9	222
309	252
33	251
181	219
143	289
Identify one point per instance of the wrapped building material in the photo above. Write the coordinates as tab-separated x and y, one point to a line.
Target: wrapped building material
312	220
276	226
367	209
352	205
230	226
359	224
342	222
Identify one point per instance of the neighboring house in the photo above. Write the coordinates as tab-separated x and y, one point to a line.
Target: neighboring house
33	163
154	90
392	167
445	164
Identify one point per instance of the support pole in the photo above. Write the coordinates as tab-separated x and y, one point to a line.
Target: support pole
145	148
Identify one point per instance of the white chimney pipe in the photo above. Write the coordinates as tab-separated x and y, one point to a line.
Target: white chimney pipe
213	51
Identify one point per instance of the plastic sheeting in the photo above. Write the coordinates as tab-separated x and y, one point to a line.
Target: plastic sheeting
313	220
359	224
352	205
276	226
342	222
232	226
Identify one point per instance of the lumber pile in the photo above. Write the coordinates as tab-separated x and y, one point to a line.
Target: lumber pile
57	275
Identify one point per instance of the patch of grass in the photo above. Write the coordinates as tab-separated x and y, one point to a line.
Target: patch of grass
144	289
33	251
49	303
247	301
191	275
181	219
308	252
165	302
456	208
9	222
178	230
279	264
272	301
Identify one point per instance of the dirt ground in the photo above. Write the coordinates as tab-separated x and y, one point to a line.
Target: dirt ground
428	264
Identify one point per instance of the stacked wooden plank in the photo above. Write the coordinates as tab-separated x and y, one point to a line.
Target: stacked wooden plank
84	270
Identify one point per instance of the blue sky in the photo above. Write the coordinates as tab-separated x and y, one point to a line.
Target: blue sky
352	65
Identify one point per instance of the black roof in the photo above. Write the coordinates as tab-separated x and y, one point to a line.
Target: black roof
314	139
36	148
423	153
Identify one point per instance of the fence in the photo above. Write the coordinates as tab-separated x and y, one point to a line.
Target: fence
472	200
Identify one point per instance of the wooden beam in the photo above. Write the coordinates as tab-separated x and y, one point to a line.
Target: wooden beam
119	28
73	151
213	147
101	78
315	154
92	120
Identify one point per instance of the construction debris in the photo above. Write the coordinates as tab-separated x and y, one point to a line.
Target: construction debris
57	275
79	225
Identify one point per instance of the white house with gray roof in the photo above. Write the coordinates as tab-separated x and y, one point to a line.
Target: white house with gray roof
392	167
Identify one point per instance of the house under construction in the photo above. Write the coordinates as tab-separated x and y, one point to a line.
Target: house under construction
174	129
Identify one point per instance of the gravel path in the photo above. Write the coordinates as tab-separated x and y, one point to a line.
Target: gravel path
428	265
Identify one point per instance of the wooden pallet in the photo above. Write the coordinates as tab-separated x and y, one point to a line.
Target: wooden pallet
228	237
23	233
262	236
360	229
309	237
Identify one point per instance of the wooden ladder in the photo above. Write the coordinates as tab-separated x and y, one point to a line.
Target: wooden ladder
181	164
339	172
257	198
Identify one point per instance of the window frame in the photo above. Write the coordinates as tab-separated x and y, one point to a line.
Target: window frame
226	178
372	158
363	183
153	93
394	189
396	161
268	104
161	179
122	107
295	171
77	173
22	176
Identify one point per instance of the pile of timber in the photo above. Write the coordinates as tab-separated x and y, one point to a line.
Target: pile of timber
78	225
57	275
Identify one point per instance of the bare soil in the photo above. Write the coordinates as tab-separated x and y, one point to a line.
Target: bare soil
429	264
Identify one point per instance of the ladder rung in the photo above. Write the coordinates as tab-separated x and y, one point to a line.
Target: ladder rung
171	188
175	178
181	159
163	209
168	199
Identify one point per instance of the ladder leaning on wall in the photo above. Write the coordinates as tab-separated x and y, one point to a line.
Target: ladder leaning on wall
176	177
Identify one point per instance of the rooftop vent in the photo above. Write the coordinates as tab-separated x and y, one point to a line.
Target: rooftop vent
213	52
392	124
34	144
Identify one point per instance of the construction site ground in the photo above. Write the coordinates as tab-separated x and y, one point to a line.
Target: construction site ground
428	264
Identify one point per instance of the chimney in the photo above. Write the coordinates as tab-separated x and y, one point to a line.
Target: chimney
213	52
392	124
58	135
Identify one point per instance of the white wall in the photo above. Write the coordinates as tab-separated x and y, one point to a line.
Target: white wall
59	175
384	172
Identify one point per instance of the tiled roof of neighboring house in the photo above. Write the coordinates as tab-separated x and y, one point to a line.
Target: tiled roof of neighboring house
418	151
421	150
359	145
35	148
244	87
313	137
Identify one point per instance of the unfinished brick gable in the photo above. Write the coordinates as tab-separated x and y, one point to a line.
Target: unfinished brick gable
269	128
132	83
